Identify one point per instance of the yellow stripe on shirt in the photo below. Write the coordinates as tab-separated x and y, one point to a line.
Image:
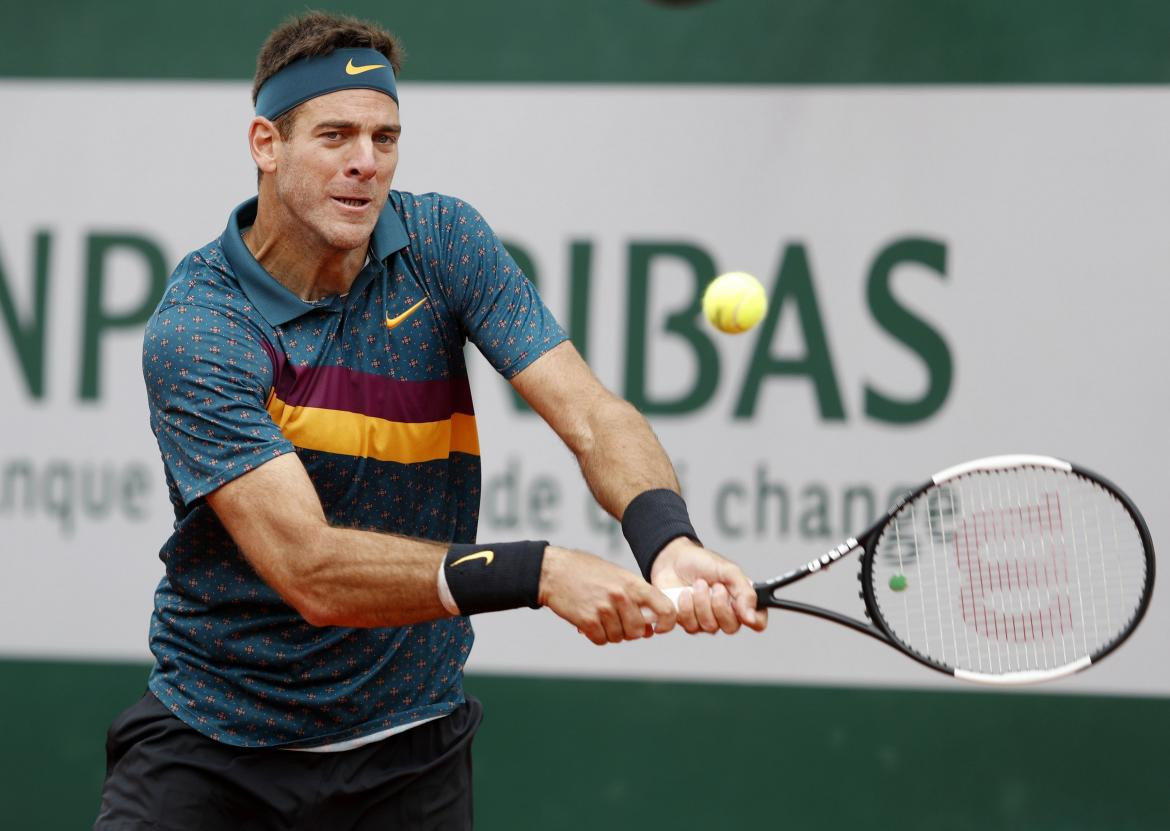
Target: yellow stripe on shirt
354	434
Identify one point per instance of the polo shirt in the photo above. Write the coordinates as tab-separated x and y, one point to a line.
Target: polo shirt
238	371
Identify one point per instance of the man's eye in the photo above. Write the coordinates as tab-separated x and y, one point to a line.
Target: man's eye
387	139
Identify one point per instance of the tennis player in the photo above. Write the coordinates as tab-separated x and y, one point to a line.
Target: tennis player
308	392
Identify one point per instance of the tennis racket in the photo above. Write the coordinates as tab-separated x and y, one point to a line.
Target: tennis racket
1004	570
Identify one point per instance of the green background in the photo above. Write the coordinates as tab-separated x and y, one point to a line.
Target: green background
727	41
589	753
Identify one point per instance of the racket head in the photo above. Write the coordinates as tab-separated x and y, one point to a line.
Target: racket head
1009	570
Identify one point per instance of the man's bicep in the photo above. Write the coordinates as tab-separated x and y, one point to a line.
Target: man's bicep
563	390
618	453
270	512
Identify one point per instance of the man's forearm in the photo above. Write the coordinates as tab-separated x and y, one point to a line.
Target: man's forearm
347	577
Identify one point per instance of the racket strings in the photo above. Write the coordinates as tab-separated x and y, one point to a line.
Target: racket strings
1010	571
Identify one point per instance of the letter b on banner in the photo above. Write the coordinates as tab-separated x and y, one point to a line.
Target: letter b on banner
683	323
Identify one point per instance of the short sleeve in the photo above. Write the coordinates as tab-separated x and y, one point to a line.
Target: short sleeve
501	309
208	378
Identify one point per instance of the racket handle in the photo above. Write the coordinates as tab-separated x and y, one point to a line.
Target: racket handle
675	593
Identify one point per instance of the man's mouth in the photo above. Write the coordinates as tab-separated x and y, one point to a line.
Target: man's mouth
352	202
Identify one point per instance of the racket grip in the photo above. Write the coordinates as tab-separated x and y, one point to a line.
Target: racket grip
675	593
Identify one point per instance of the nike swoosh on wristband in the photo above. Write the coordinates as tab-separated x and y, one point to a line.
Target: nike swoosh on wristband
398	320
350	69
486	556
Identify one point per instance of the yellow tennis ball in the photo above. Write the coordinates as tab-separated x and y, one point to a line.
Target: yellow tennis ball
734	302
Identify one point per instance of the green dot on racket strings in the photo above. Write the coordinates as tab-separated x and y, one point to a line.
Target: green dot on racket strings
898	582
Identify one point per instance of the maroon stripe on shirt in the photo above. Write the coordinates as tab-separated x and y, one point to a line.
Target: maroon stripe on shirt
339	388
275	356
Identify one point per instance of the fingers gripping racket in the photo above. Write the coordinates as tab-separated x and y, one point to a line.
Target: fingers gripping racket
1006	570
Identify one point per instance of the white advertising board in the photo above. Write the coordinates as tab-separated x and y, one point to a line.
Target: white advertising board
955	272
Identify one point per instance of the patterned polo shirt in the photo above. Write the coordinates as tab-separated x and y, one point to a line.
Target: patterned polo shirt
238	371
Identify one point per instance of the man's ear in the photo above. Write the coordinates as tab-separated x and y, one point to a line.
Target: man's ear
264	142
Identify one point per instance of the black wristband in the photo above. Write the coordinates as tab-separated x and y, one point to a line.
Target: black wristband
652	519
490	577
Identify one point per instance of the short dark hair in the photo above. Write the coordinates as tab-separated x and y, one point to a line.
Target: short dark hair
319	33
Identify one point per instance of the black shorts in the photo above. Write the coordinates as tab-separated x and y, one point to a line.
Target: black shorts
162	774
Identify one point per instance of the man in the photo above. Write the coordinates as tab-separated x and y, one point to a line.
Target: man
308	391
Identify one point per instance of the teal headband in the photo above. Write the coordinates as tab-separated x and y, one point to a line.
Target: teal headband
323	74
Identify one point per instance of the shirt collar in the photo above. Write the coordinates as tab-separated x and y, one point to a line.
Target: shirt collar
276	303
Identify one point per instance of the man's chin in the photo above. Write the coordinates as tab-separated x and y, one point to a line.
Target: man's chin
350	236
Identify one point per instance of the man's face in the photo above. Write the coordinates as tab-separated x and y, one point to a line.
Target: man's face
333	174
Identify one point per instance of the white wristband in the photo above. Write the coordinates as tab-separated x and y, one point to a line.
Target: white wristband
445	592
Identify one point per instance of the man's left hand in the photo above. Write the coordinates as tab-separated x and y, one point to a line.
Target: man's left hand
721	596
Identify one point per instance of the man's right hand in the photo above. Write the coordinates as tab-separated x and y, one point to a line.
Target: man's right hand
606	603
